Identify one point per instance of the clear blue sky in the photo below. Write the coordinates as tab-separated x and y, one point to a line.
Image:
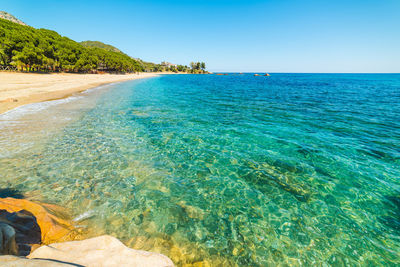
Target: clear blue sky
252	36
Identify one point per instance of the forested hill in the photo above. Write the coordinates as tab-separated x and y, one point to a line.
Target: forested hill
30	49
25	48
100	45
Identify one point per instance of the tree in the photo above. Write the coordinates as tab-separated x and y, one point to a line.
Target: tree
182	68
3	57
197	67
203	66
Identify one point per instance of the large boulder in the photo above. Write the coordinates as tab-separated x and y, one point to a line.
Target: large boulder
100	251
8	244
27	231
53	222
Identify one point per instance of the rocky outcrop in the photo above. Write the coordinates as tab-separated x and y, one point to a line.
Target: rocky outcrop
25	228
25	224
100	251
8	16
53	222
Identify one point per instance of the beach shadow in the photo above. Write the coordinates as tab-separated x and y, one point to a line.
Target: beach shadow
63	262
10	192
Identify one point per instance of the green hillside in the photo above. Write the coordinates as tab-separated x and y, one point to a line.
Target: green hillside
100	45
33	49
25	48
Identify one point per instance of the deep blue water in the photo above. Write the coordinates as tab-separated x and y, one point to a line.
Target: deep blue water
233	170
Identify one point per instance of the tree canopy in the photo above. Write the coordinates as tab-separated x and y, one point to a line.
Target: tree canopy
198	67
100	45
30	49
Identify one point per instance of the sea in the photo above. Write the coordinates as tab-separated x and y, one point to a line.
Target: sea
230	170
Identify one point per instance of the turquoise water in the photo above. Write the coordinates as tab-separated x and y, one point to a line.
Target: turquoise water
291	169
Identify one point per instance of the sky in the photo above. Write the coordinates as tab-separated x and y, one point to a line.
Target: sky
233	36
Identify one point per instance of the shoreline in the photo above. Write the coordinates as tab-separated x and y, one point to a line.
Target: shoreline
53	223
18	89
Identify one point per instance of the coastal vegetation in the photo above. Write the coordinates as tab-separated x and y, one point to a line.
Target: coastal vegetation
30	49
25	48
195	68
198	67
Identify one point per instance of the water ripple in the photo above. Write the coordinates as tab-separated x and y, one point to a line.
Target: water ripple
291	169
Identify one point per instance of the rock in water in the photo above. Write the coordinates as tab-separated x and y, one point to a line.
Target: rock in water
26	228
100	251
50	218
8	245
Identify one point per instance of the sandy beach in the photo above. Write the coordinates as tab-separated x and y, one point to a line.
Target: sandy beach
17	89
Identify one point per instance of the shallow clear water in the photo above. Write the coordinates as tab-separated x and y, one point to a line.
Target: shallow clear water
232	170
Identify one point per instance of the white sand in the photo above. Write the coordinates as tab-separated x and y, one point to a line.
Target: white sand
18	89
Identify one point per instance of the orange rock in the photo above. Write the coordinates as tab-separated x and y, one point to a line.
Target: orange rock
51	219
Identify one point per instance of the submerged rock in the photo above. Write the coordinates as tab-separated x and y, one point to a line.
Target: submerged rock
100	251
262	173
192	211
